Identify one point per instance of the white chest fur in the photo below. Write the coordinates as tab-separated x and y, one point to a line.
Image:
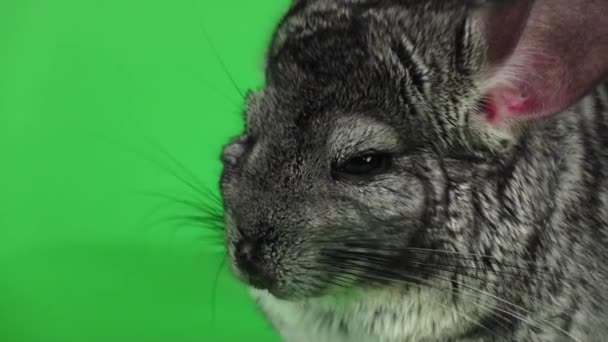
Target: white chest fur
382	316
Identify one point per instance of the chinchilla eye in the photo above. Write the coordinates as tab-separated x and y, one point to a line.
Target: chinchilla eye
366	164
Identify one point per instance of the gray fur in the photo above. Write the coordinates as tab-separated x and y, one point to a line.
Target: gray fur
473	235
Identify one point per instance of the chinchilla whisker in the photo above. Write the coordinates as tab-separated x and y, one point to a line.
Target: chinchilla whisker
215	287
230	100
504	301
379	244
218	241
382	261
213	241
378	262
453	254
197	220
196	205
366	274
204	216
145	220
424	266
500	312
217	55
499	299
209	200
197	184
455	267
375	254
383	268
189	221
352	269
198	189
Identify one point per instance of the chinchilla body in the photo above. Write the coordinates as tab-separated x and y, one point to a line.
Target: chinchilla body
375	196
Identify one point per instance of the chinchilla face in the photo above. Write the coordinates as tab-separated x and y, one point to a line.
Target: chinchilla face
340	159
360	154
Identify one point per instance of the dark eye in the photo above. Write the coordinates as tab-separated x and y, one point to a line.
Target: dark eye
364	165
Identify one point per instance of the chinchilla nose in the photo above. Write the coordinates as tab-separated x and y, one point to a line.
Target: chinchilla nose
249	259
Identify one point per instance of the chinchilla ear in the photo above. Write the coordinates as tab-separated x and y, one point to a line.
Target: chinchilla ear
542	55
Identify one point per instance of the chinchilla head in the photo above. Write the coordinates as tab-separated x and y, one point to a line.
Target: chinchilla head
372	109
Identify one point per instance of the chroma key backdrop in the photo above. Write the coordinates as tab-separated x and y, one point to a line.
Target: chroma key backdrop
112	117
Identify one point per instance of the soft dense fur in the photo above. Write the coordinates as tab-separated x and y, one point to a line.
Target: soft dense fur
479	230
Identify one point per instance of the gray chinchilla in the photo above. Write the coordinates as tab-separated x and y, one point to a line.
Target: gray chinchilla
427	170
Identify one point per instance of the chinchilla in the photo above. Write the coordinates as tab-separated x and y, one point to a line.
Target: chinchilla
426	170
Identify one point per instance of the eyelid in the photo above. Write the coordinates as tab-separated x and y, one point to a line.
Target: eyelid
347	156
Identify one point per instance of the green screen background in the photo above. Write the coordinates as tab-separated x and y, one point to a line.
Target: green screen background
91	94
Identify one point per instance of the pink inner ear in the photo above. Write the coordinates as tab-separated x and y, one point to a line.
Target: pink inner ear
559	56
507	102
542	89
